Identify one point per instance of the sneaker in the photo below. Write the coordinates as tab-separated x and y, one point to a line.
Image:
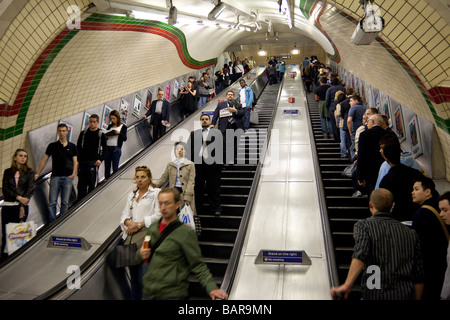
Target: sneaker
357	194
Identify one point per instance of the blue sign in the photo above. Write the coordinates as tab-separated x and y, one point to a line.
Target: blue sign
289	111
67	242
282	256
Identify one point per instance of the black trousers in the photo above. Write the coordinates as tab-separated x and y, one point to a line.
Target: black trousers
158	128
207	178
87	180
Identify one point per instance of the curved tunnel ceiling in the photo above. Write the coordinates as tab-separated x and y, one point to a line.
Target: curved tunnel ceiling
192	14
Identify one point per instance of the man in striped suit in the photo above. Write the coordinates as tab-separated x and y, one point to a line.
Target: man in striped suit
387	252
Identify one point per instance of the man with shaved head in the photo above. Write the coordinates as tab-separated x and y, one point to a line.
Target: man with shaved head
387	252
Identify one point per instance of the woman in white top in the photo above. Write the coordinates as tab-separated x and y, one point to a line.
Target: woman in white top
141	210
116	134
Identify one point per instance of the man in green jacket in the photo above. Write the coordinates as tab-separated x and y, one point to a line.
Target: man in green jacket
177	256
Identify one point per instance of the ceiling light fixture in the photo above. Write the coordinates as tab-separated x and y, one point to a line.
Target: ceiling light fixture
172	15
216	11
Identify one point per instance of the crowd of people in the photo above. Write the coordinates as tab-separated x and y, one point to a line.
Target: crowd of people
409	221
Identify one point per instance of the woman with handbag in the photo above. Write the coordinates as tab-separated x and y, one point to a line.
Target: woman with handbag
141	210
18	188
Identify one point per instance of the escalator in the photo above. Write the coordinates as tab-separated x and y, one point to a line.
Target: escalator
343	210
219	233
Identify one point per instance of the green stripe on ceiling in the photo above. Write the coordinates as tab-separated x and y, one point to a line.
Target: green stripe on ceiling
305	7
20	121
155	24
17	129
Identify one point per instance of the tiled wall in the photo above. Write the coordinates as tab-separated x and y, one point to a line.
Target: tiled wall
104	60
388	72
420	36
27	36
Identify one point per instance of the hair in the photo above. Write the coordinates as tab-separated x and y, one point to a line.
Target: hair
116	114
94	116
174	192
230	91
382	199
388	139
242	80
205	114
349	90
373	110
148	172
63	125
428	183
356	97
385	119
445	196
333	79
14	166
323	80
392	153
376	118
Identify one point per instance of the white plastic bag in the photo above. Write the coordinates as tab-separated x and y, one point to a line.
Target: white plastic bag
186	216
17	234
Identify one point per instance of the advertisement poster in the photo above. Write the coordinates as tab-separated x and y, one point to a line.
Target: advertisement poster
175	88
137	105
105	118
385	107
398	116
369	96
168	90
124	105
148	101
416	145
85	122
376	99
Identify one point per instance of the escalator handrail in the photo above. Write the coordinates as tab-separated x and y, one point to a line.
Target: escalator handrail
230	272
329	246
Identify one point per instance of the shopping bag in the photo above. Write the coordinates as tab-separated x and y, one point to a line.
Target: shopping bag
186	216
349	171
18	234
254	119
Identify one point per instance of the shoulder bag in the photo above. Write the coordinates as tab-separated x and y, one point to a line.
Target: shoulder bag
439	218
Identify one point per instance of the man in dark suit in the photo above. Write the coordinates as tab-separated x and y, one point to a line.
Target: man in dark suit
160	115
230	115
205	148
369	157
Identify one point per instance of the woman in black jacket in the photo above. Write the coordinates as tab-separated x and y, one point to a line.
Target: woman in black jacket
18	188
116	134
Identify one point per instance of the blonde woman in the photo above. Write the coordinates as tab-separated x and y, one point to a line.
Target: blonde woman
141	210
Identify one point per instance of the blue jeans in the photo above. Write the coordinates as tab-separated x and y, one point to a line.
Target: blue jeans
326	126
201	101
112	157
344	142
63	185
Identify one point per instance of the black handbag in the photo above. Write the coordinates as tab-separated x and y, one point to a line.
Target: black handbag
126	255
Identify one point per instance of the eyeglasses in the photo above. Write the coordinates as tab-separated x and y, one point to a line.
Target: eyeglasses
141	167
